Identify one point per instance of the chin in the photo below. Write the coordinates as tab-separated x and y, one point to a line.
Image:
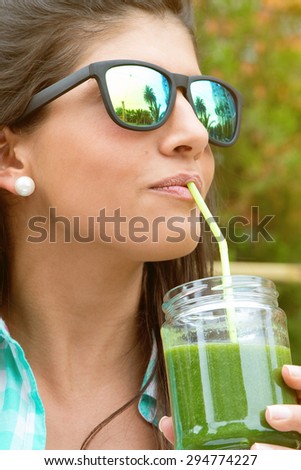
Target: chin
162	246
167	250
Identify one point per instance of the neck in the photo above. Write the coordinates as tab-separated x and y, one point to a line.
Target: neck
75	311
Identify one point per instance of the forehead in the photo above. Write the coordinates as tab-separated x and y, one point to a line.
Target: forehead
164	41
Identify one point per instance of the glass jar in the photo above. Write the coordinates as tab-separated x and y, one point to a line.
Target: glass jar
225	341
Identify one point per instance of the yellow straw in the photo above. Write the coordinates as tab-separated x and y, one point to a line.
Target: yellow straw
223	249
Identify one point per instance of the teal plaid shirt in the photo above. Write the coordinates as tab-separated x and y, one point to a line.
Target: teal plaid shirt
22	414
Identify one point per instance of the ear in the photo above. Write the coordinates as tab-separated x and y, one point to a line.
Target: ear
11	166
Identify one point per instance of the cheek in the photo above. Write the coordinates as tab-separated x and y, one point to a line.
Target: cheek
84	171
208	169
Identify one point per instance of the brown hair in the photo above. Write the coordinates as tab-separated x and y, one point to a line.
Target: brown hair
40	41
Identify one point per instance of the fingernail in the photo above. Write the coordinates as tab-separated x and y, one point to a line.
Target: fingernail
279	412
161	421
294	371
258	446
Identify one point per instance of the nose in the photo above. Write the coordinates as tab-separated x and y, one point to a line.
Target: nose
183	134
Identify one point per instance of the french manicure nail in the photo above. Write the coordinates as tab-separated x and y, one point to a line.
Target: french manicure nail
294	371
160	422
279	412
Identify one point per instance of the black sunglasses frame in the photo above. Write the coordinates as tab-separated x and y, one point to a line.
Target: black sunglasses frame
97	70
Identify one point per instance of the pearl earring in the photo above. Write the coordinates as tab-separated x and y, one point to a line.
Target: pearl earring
24	186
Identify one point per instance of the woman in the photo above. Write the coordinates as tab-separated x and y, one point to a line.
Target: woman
92	175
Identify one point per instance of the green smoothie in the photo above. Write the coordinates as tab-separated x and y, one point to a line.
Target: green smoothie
219	393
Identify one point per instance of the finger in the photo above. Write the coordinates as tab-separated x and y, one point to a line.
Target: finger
166	426
292	377
284	417
259	446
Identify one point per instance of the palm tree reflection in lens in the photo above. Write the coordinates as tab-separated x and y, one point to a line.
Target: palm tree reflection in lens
217	112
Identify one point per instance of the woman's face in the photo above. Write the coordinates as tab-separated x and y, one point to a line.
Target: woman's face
85	165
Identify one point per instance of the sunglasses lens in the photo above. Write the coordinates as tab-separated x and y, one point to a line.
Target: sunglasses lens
139	95
216	109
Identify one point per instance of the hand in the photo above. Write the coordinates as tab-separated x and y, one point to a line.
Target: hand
289	416
285	417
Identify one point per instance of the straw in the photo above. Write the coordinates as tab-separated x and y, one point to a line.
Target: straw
223	249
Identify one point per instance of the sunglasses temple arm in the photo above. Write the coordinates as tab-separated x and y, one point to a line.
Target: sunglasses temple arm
56	90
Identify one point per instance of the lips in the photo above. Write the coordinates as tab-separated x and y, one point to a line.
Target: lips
177	185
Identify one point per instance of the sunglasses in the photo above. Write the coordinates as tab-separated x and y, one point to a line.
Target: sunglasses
141	96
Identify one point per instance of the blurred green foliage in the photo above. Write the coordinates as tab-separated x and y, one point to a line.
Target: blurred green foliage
256	46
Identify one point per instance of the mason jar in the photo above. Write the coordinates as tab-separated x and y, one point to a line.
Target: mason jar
225	341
